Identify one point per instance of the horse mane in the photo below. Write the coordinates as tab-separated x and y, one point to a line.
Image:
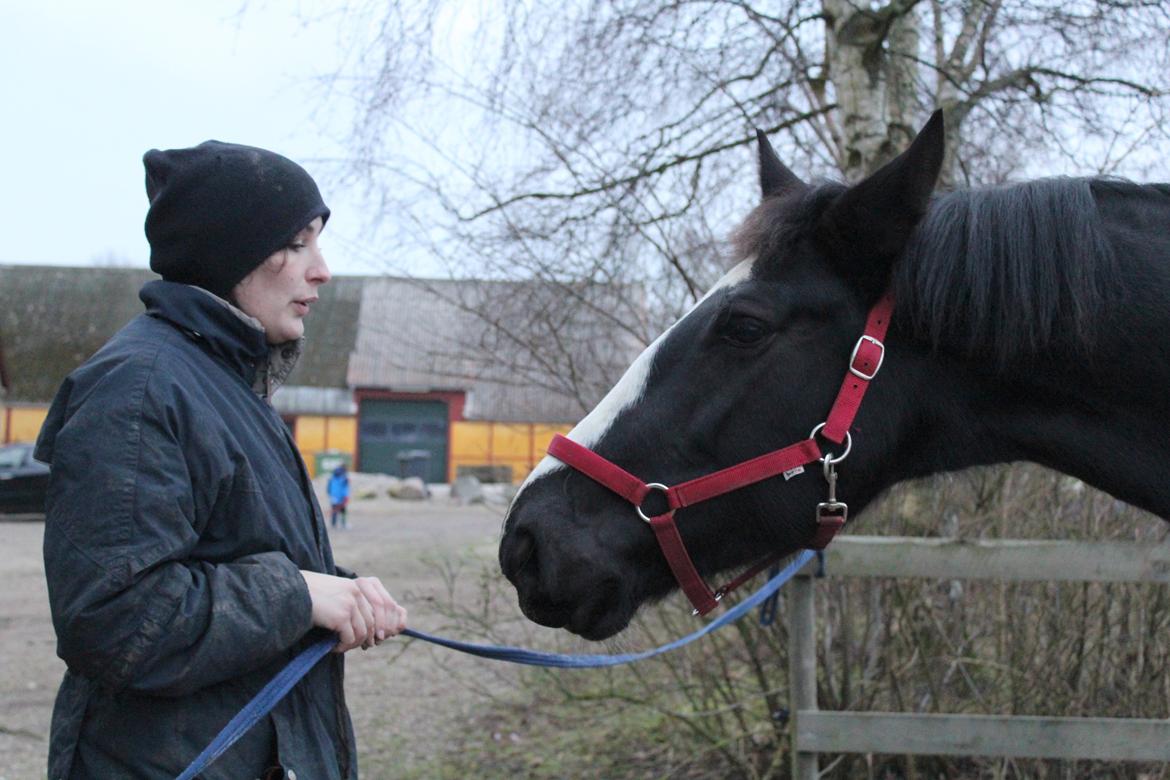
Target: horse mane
1003	273
1009	272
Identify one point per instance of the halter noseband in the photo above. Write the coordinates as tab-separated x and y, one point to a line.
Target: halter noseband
864	364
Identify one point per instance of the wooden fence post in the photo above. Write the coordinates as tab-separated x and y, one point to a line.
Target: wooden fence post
802	668
1062	738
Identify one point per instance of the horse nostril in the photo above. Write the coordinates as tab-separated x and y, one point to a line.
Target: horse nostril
517	550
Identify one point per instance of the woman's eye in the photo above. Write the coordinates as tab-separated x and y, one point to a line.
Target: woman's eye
297	246
744	331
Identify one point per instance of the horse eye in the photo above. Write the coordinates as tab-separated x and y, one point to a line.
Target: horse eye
744	331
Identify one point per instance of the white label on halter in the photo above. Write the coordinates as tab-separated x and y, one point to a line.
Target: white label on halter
793	472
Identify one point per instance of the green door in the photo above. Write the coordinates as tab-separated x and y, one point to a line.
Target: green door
404	438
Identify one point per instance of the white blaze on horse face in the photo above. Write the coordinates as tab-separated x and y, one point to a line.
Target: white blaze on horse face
632	385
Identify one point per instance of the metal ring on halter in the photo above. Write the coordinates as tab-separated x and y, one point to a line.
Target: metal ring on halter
655	486
829	458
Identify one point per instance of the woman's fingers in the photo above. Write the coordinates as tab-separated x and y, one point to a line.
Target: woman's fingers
357	629
369	620
401	613
396	620
377	603
390	626
386	604
391	616
361	611
346	637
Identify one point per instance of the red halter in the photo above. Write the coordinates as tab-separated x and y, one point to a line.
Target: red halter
790	461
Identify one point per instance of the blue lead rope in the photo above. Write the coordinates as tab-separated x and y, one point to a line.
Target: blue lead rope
290	675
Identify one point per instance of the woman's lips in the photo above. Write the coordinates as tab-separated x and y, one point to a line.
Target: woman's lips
302	306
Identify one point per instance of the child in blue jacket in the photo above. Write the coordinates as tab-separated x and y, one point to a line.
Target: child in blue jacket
339	497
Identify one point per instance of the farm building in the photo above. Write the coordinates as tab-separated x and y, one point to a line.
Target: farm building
437	377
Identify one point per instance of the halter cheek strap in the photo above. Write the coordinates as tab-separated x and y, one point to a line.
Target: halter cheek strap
864	365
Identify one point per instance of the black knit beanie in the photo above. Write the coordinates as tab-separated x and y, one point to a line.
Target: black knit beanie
218	210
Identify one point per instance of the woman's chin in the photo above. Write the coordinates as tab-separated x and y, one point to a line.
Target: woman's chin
283	335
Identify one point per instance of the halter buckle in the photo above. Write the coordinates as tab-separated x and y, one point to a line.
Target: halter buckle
665	491
880	357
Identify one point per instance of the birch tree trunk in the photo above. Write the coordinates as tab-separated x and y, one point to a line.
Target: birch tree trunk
872	56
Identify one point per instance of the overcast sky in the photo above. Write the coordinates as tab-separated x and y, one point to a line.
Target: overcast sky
88	87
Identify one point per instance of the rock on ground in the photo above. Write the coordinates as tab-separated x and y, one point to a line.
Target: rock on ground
410	489
467	490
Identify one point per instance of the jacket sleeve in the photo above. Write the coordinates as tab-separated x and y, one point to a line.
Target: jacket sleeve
127	503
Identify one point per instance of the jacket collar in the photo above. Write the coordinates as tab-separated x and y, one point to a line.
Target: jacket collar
224	330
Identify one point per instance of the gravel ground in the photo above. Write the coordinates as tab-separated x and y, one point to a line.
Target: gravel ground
408	702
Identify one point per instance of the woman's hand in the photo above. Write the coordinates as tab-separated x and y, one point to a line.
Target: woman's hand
361	611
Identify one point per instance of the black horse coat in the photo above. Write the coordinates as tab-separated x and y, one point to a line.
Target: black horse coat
179	514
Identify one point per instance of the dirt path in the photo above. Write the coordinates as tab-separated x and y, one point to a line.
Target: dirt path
29	668
404	705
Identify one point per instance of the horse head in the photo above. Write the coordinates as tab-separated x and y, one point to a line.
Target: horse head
752	367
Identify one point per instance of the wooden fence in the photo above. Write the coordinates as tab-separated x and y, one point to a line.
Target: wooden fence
817	731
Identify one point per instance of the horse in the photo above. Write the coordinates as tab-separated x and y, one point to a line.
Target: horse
1030	322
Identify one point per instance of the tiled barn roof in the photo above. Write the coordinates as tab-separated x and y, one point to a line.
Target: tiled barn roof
521	351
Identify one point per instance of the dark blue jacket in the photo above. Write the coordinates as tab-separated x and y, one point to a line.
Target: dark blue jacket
179	514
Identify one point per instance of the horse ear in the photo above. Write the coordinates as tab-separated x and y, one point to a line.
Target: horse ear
775	178
872	221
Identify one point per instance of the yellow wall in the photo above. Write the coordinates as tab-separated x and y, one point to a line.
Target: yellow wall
519	445
23	423
312	433
310	437
473	443
341	434
315	433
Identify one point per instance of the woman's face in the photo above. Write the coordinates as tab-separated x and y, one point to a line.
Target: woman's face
281	289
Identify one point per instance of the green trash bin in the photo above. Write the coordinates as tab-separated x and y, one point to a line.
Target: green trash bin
327	460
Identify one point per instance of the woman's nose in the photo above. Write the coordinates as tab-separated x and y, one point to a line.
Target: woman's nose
319	271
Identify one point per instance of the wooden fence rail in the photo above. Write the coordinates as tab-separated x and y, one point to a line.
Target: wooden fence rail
816	731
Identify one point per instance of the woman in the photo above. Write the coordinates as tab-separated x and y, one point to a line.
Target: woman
186	555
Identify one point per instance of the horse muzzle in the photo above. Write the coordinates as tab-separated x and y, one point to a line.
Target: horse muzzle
562	578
